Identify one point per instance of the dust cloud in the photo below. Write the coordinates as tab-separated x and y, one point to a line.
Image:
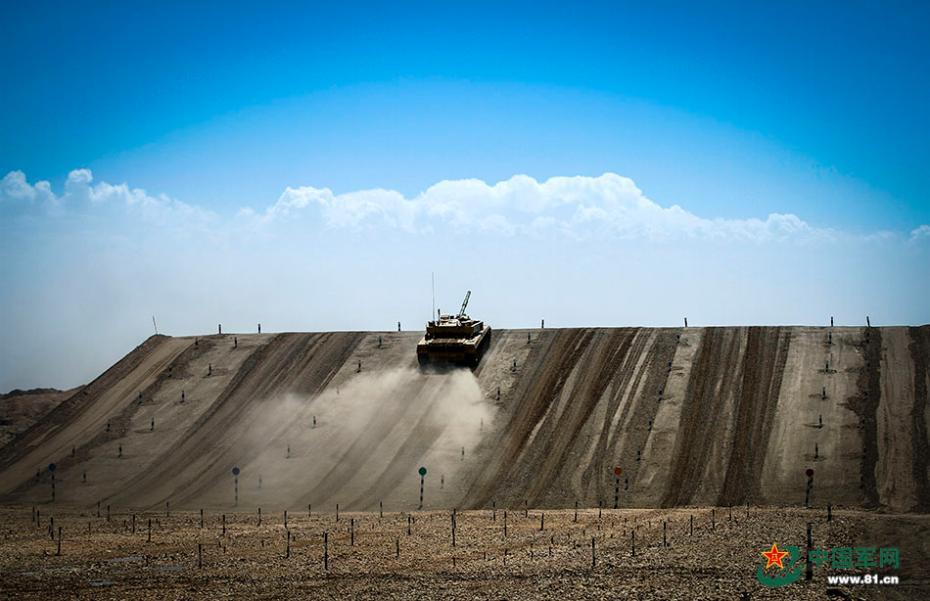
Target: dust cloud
363	440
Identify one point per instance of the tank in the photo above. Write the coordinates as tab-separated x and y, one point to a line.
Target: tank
454	340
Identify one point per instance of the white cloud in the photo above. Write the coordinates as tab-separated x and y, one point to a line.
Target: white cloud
80	189
578	206
354	210
920	233
609	206
15	188
78	178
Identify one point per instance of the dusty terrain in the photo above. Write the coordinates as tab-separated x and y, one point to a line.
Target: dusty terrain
697	416
701	420
716	560
20	409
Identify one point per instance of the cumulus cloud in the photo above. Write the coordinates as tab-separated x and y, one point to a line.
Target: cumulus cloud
608	206
576	206
356	209
15	189
16	193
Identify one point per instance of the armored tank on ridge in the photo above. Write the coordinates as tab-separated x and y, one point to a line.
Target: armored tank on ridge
454	339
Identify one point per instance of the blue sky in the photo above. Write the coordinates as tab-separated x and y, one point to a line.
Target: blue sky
221	119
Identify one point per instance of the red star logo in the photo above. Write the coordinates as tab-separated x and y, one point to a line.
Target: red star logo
774	557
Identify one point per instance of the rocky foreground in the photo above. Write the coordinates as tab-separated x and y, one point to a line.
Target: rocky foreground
708	553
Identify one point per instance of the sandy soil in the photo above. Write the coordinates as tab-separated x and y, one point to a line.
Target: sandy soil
716	560
694	416
23	408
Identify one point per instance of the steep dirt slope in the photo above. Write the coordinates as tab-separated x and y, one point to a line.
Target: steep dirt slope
585	402
920	355
693	416
84	417
210	444
23	408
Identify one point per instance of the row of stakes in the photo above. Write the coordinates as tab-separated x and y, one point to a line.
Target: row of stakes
422	472
36	520
513	367
542	326
823	390
823	397
219	327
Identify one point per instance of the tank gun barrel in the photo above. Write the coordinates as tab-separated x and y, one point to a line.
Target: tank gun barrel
464	304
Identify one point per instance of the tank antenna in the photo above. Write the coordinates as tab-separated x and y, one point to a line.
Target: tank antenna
432	277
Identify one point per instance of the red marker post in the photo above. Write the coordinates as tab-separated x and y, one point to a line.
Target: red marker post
618	471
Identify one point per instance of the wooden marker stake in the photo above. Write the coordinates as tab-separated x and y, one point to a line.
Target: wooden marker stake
326	551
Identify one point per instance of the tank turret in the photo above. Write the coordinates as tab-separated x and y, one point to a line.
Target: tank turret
454	339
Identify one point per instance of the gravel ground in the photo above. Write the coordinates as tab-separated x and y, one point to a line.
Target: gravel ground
250	561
